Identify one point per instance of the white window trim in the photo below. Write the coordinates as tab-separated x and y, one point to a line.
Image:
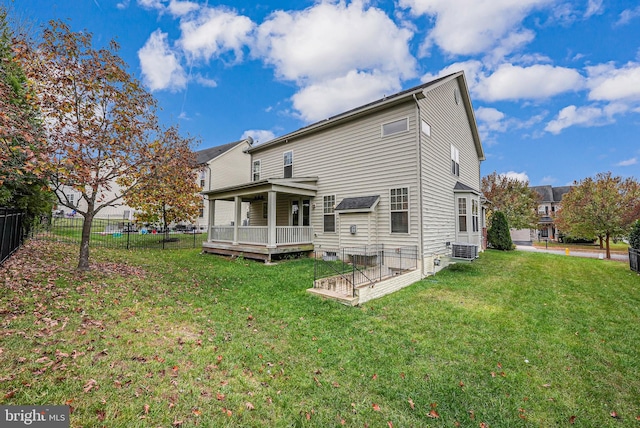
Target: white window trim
383	135
253	172
335	222
455	157
285	165
408	211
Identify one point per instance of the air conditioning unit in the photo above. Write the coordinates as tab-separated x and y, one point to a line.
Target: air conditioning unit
464	251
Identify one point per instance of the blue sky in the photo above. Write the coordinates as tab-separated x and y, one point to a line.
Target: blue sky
555	84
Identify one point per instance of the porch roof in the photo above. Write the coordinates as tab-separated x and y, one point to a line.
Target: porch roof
305	186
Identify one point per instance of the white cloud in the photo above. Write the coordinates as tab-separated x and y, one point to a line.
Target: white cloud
594	7
213	32
520	176
123	4
607	83
467	27
340	55
259	135
581	116
627	15
628	162
180	8
161	67
205	81
328	97
547	179
511	82
328	40
152	4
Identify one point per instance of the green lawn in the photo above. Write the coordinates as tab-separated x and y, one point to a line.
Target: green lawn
176	338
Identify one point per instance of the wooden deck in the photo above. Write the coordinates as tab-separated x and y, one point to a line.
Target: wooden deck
256	252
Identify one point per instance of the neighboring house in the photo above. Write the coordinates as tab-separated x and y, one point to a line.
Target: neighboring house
216	167
550	201
223	166
401	172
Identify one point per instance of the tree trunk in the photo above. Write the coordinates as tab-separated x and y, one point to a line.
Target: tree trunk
600	241
83	260
608	249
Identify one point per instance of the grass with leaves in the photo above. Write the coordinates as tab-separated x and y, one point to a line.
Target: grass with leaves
177	338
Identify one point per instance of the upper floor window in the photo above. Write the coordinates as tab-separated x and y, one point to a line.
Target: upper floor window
71	198
455	161
328	208
288	164
395	127
462	214
399	210
256	170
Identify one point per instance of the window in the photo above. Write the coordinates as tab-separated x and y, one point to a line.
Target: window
395	127
474	215
126	214
455	161
256	170
288	164
202	183
265	210
400	210
462	214
201	209
71	199
426	129
544	233
329	204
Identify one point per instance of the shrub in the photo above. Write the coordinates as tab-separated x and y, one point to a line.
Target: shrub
634	236
498	234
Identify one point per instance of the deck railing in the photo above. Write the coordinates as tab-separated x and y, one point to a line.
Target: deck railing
260	234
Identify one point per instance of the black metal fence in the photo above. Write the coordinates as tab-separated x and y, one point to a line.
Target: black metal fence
11	231
634	259
110	233
343	270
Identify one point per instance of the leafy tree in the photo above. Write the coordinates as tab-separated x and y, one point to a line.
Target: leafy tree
634	236
168	192
21	136
98	121
603	206
498	234
514	198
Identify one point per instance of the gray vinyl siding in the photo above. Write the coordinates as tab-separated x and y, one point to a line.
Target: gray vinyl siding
350	160
449	125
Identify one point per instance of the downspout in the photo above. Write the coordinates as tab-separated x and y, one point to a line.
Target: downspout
420	201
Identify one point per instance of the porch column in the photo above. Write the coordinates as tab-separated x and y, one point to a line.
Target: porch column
212	218
237	214
271	218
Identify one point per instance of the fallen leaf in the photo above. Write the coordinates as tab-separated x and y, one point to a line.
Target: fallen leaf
402	375
177	423
101	414
90	385
614	415
390	424
411	404
146	409
249	406
376	407
461	384
484	425
219	358
196	412
308	416
547	385
433	414
9	395
220	396
375	376
572	419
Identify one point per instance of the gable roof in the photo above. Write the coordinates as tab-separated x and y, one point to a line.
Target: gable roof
551	194
416	92
205	155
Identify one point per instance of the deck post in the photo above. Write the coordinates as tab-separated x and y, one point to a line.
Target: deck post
271	219
237	214
212	218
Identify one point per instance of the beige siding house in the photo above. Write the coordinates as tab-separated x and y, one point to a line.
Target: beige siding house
223	166
401	172
550	200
